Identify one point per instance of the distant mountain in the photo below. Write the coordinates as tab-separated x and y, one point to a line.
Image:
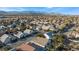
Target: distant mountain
27	13
2	12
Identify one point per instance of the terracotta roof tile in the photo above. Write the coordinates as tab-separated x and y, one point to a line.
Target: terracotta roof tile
25	47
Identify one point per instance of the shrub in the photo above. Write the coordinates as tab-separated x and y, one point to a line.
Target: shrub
6	48
40	35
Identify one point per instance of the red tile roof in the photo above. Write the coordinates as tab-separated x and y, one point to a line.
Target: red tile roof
25	47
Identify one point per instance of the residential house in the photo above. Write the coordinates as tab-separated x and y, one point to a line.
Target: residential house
77	35
38	28
49	35
2	32
37	47
2	26
13	25
3	38
11	39
28	47
28	31
18	34
9	26
44	27
25	47
24	35
52	28
40	41
8	39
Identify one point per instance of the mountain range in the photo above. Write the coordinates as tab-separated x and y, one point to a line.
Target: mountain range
27	13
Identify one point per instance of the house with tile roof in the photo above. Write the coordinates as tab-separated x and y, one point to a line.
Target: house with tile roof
40	41
28	46
25	47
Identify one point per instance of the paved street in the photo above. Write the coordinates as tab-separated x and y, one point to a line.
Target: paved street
23	41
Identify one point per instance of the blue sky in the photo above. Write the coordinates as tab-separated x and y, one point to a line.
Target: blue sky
61	10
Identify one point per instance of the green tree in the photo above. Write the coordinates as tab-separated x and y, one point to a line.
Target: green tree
56	42
6	48
22	27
